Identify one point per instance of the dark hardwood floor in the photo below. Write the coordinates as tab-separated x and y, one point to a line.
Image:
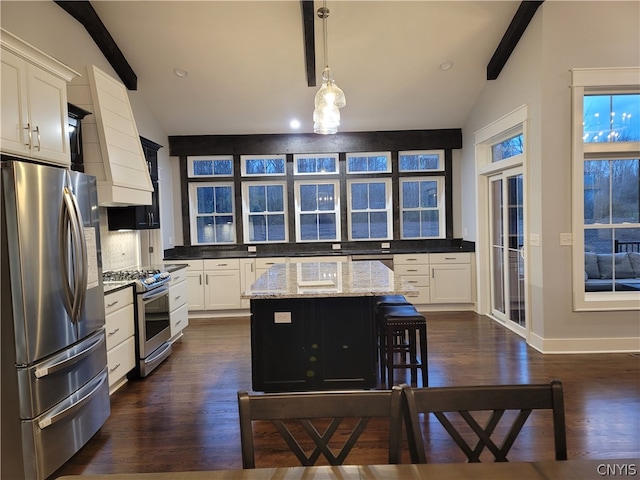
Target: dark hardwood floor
184	416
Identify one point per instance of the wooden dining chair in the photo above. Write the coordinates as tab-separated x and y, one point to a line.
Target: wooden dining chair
311	409
447	403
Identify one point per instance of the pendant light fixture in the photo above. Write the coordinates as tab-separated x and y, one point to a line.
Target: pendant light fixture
330	98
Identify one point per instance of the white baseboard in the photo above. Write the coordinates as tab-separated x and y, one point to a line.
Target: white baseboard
585	345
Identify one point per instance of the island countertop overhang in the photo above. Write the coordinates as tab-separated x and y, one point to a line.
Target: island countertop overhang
328	279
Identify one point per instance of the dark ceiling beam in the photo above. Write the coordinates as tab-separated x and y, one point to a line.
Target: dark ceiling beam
84	13
308	24
511	37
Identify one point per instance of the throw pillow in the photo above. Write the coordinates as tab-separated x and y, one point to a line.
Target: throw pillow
622	265
591	265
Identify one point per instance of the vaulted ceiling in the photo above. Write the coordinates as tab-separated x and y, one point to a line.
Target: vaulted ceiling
247	70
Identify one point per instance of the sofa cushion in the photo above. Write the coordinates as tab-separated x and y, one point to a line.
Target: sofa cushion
622	265
634	258
591	265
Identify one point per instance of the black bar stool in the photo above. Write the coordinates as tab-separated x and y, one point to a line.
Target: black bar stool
381	328
402	330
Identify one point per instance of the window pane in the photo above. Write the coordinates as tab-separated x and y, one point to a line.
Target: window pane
327	164
410	197
327	226
326	198
625	199
411	224
308	198
276	228
205	230
223	199
378	224
360	225
430	223
257	200
306	165
203	167
357	164
611	118
429	194
210	166
377	195
308	226
274	166
508	148
368	163
223	167
205	200
257	228
224	229
275	198
418	162
359	196
255	167
611	191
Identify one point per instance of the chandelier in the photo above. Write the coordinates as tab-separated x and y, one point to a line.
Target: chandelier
330	98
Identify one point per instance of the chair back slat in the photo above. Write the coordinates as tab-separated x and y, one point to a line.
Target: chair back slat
307	408
467	402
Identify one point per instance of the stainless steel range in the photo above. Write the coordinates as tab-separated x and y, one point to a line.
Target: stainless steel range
153	327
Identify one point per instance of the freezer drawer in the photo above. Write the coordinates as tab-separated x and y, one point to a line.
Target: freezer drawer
44	384
56	435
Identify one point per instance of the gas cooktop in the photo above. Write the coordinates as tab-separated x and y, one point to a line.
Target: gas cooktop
144	279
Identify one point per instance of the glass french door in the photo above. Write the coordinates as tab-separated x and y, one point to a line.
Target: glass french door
507	238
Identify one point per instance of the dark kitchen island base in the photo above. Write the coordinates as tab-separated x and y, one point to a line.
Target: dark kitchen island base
326	343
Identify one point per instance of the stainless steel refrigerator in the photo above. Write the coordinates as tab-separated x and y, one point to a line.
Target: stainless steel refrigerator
55	393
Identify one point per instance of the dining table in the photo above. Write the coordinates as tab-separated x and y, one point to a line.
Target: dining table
575	469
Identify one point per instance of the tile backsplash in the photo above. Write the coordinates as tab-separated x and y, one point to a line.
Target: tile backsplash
120	249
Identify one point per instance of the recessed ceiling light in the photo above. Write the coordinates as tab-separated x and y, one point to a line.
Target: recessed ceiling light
179	72
295	124
448	65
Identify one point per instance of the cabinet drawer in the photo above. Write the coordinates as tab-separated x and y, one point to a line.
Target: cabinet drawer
179	319
267	263
119	299
411	270
411	259
461	257
119	326
222	264
178	276
417	280
178	294
121	360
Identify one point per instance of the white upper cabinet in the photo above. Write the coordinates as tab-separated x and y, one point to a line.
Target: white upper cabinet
112	151
34	103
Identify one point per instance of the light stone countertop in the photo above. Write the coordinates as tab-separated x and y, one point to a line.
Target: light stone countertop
328	279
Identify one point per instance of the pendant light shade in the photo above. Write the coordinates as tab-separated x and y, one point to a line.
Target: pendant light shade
330	98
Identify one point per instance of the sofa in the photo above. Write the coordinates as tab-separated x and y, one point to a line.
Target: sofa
599	271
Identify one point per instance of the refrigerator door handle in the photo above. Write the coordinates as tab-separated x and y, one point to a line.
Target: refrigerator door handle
56	417
70	217
81	248
56	367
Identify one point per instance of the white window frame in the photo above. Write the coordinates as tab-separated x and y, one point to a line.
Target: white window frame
193	215
192	159
316	156
440	185
440	154
246	214
368	154
243	165
336	210
388	206
585	81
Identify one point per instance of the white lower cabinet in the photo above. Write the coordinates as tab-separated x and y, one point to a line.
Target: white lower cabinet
440	278
451	279
222	284
119	327
178	307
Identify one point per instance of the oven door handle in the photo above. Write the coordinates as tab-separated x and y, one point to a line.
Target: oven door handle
155	293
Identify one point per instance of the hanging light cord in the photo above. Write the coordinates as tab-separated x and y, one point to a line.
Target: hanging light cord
323	13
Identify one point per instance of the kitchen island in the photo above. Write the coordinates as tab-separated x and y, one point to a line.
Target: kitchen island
313	324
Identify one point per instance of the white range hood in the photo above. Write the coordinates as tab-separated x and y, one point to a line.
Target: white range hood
112	151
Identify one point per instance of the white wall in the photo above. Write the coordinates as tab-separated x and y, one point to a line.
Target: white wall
48	27
563	35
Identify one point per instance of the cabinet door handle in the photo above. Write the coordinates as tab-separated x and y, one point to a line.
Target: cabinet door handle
412	269
114	332
206	278
449	258
28	129
200	279
109	305
111	370
433	273
178	297
221	264
178	322
37	130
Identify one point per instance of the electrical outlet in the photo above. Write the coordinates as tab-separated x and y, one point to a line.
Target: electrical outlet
281	317
534	239
566	239
251	248
336	246
385	245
